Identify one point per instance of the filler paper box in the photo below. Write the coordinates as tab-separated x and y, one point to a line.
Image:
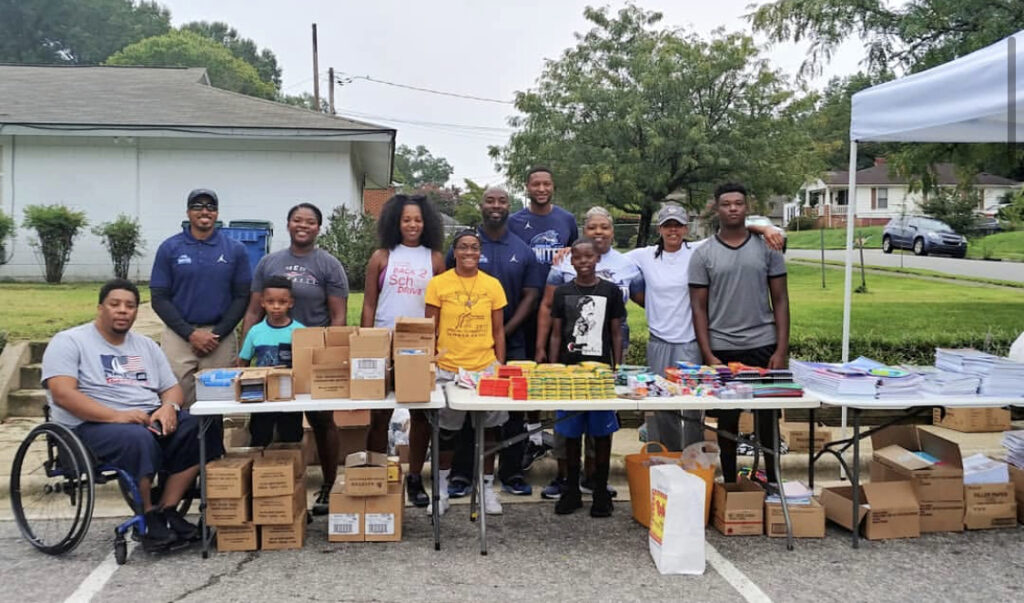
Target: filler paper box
272	477
228	511
293	451
370	349
366	474
990	506
935	516
383	515
808	520
414	375
738	508
229	477
280	537
345	515
973	420
798	436
887	510
238	538
329	374
895	447
414	334
279	510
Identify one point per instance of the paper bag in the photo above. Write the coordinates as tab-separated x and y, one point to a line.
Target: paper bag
676	535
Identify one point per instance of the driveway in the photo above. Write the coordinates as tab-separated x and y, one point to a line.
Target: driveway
1007	271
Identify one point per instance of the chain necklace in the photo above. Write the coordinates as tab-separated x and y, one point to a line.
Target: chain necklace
469	293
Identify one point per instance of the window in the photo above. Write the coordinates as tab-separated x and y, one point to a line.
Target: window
882	198
841	196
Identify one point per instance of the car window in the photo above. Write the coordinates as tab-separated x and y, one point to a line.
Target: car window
934	225
893	223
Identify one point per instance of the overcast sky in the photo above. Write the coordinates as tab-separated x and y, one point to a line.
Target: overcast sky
486	49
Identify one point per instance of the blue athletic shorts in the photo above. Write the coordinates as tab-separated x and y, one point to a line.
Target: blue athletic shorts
596	423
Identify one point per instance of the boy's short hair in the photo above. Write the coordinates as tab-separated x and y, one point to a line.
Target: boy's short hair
730	187
581	242
277	282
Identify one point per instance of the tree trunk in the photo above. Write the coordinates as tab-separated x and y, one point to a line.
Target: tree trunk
644	227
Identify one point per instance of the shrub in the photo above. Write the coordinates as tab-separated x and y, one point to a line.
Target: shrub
955	208
123	239
56	226
6	232
352	238
802	223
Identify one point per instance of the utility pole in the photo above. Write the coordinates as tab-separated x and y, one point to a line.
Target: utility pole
330	93
316	75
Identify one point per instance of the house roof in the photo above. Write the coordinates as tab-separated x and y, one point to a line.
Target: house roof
879	175
173	97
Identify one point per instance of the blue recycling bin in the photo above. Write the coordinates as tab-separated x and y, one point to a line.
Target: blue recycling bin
254	235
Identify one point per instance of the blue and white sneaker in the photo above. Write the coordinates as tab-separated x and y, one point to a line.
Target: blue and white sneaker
554	490
517	486
459	487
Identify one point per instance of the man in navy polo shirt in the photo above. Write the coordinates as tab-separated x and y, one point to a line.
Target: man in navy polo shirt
510	260
200	287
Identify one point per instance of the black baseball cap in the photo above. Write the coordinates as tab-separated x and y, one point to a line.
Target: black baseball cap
202	192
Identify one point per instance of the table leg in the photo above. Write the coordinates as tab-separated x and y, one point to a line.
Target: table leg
855	474
435	475
481	509
811	452
204	425
778	476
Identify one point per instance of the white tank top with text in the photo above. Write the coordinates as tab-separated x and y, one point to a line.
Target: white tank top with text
402	293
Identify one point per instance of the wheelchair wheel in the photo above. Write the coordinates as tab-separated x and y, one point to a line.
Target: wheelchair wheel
52	489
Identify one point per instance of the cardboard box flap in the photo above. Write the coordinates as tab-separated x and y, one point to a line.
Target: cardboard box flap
901	457
898	435
309	337
418	326
332	356
945	450
836	501
894	496
366	459
339	336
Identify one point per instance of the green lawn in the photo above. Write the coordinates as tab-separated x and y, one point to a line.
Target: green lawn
835	238
38	310
1005	245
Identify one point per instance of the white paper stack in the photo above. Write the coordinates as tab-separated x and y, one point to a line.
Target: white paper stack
1003	378
979	469
833	378
908	386
963	360
950	384
1013	441
796	494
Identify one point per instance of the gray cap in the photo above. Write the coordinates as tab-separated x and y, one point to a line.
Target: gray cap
202	192
672	211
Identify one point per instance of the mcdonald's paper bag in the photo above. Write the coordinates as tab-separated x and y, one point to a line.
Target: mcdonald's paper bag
676	535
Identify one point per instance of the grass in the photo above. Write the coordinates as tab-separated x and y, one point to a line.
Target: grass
914	272
1004	245
38	310
835	238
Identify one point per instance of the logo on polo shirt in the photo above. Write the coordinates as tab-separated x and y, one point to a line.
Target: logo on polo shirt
527	227
184	259
513	259
483	259
221	259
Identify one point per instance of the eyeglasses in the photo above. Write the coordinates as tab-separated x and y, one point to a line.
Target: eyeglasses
201	206
467	248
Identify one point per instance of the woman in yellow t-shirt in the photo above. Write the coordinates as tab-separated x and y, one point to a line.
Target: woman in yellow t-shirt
466	305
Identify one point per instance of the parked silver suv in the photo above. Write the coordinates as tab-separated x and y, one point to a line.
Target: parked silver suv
924	235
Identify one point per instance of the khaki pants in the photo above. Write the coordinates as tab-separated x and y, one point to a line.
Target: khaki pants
185	363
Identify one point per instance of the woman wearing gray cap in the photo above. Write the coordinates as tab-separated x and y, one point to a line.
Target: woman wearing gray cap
665	267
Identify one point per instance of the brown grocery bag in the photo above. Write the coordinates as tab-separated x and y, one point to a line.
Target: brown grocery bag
638	473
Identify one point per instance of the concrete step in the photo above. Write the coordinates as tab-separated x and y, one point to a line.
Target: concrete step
26	403
31	376
37	348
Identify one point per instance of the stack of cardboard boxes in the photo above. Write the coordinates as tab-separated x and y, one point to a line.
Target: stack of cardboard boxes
414	359
740	509
229	503
367	506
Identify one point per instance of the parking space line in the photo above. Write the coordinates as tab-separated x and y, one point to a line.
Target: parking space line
97	579
737	579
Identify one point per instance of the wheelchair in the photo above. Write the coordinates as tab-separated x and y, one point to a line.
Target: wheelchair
53	488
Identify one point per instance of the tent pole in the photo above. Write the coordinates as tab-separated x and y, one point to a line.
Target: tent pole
851	216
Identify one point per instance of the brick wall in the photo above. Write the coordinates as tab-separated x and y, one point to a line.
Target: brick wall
374	199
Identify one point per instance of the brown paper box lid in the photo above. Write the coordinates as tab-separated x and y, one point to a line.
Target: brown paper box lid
366	459
408	324
894	496
902	457
308	337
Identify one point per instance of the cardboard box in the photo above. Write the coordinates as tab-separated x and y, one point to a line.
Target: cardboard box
304	342
894	448
1017	479
235	437
887	509
229	511
371	349
280	385
403	454
738	508
216	384
414	334
329	382
808	521
798	436
292	451
352	418
990	506
366	474
973	420
251	386
415	374
345	515
280	537
279	510
229	477
383	515
272	477
935	516
238	538
338	336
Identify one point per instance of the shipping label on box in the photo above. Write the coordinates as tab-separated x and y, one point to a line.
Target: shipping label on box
279	510
272	477
808	521
368	369
238	538
280	537
887	510
228	511
345	515
738	508
383	516
229	477
366	474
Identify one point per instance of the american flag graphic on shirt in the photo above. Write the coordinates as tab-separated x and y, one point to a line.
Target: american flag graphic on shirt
124	369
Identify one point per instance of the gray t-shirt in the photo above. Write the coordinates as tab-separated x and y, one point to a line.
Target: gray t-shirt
739	308
129	376
314	277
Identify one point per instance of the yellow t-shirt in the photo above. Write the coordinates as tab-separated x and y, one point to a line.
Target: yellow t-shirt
464	330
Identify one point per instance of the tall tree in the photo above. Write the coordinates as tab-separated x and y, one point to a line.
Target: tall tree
418	167
635	112
187	49
77	32
264	60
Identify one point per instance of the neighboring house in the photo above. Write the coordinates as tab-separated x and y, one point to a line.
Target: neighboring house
135	140
881	195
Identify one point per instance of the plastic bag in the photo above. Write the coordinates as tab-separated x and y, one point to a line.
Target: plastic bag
701	455
676	534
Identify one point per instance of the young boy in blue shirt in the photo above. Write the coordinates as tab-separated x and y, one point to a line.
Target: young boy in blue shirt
269	343
586	316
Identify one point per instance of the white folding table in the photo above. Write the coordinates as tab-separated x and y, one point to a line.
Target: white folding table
910	407
206	410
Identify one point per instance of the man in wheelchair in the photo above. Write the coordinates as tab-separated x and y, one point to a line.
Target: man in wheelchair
116	391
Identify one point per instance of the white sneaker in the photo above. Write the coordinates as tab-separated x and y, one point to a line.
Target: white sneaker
492	506
443	504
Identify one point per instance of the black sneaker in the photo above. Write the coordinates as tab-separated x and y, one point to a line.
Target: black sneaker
532	453
602	505
158	536
570	500
323	499
588	488
414	490
185	530
554	490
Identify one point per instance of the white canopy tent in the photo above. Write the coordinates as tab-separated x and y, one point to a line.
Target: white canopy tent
976	98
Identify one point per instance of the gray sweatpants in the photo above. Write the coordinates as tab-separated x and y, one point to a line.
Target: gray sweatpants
664	425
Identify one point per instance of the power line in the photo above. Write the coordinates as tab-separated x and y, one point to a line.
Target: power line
427	90
417	122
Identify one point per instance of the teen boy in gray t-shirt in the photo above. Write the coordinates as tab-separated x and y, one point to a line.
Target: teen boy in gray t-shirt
740	309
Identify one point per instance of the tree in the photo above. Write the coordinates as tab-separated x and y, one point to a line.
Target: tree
633	113
123	239
955	208
78	32
6	232
306	101
415	168
467	208
264	60
352	238
56	226
187	49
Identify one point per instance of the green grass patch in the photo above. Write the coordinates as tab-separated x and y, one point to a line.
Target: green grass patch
1003	245
835	238
911	271
38	310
